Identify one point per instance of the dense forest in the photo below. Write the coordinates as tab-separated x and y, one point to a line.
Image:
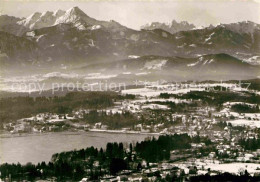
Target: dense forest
179	107
216	98
244	108
158	150
113	121
253	84
250	144
13	108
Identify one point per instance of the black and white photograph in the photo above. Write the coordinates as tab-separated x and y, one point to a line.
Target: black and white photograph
129	90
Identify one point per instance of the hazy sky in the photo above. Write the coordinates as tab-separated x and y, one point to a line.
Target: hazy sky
136	13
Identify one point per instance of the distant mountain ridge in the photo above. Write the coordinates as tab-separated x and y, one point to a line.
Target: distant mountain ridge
9	24
212	66
247	27
68	39
73	15
172	27
41	20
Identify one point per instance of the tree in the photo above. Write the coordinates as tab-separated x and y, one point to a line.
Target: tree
117	165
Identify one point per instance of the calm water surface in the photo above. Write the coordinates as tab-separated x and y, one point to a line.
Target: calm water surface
40	147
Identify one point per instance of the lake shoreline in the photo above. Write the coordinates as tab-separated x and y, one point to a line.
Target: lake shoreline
38	147
122	132
8	134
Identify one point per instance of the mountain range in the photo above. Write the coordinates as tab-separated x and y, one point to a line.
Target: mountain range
72	41
172	27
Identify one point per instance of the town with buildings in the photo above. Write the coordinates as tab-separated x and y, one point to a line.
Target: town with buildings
224	135
139	91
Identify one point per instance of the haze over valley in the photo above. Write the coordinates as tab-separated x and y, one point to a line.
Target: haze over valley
71	42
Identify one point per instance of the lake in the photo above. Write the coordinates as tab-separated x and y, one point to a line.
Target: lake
40	147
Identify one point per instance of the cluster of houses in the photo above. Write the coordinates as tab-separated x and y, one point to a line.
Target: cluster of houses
203	121
183	170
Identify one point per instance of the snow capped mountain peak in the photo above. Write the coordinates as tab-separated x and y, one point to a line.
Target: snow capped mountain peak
34	16
77	17
46	19
184	23
75	11
46	13
59	13
30	20
74	16
82	21
40	20
172	27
